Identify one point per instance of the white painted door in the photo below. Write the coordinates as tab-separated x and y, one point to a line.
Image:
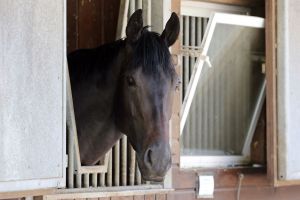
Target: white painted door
32	94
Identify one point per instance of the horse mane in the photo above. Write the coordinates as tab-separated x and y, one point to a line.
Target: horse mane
151	53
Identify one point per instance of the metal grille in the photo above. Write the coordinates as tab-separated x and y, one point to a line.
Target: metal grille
193	29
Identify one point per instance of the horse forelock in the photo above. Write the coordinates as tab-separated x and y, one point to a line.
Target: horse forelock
152	54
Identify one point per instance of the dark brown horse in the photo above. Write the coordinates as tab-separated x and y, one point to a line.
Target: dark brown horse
127	87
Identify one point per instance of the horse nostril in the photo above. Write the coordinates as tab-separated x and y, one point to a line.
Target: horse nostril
148	158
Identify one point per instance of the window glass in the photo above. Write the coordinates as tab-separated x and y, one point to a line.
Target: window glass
227	93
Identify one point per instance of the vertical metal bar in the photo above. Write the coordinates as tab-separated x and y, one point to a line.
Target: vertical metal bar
139	4
211	100
211	103
78	181
186	76
124	160
191	67
138	174
86	180
122	19
205	102
198	96
182	67
116	164
222	112
132	165
71	125
109	170
227	111
147	12
102	178
217	108
94	179
239	81
131	7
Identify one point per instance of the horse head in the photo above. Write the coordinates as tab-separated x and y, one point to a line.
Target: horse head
145	94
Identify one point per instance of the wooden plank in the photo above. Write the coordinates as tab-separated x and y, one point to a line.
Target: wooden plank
238	2
97	22
258	144
182	195
98	192
89	23
175	120
161	197
271	95
122	198
139	197
104	198
72	24
150	197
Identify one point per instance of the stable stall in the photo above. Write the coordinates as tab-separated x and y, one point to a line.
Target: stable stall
234	126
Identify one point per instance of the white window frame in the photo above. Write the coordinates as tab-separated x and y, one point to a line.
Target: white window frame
219	161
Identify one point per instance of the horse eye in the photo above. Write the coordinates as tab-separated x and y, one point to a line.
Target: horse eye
130	81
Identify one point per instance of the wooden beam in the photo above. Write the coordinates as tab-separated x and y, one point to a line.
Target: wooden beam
271	95
19	194
250	3
106	192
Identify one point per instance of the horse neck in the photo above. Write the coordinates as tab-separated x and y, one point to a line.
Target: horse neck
103	86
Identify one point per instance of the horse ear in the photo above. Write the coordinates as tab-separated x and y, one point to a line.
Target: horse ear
134	26
171	31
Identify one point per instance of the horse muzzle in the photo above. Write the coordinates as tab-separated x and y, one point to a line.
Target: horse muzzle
155	161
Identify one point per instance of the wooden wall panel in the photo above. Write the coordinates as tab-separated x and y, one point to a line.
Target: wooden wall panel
91	23
104	198
122	198
238	2
72	26
258	144
258	193
139	197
